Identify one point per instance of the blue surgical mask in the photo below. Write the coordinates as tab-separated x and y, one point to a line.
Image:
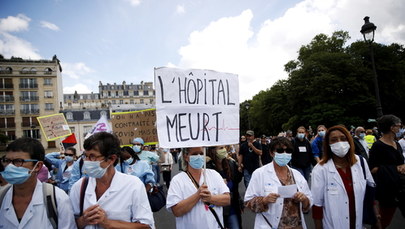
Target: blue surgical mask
321	133
16	175
282	159
362	135
399	133
93	169
69	158
137	148
196	161
129	160
300	135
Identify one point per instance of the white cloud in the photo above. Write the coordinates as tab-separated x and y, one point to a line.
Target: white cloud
230	44
49	25
14	24
80	88
75	70
180	9
134	2
13	46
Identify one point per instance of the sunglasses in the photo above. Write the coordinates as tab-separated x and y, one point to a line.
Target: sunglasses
282	150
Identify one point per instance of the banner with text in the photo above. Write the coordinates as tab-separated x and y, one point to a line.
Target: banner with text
132	124
54	126
196	107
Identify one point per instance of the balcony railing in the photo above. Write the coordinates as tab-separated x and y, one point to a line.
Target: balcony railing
49	108
7	112
28	72
7	86
30	111
6	98
29	99
6	72
25	85
48	96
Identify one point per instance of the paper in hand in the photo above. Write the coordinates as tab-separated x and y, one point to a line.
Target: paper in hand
287	191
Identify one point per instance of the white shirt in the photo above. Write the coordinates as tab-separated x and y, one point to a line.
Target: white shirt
200	217
365	145
265	181
124	200
35	215
329	192
168	159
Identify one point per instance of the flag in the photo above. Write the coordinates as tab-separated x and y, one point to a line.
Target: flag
101	126
69	141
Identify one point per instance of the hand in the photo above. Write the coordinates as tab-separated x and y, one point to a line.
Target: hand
205	194
250	144
271	198
401	168
94	215
240	168
299	197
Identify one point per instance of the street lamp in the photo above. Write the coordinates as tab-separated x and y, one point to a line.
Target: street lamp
368	31
247	105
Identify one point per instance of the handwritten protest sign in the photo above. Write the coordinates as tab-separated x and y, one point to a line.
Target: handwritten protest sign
54	126
196	107
129	125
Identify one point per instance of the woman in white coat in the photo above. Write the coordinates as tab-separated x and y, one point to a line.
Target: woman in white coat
338	183
263	193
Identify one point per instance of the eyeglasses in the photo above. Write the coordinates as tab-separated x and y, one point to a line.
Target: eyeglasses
17	162
282	150
92	157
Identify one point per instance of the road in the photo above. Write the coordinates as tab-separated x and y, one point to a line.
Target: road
165	219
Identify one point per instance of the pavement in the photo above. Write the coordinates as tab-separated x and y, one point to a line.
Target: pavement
165	219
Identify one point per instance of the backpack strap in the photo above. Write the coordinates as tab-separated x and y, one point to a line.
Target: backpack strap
83	187
362	165
50	203
3	192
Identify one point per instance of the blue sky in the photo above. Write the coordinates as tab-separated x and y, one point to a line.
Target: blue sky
116	40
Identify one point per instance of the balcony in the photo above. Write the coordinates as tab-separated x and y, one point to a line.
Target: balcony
28	72
29	111
28	86
6	98
6	72
7	112
29	99
48	96
49	108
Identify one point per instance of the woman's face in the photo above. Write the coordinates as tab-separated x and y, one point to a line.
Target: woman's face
337	136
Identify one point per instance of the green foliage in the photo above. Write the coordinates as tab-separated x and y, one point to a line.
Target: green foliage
330	84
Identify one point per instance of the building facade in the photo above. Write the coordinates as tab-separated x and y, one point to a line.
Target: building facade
29	89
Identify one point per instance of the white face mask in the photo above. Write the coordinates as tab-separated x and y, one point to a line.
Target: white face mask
340	149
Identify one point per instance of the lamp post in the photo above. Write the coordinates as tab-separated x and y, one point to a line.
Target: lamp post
247	105
368	31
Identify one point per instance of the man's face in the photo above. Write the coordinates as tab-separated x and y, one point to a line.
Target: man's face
263	141
359	131
250	138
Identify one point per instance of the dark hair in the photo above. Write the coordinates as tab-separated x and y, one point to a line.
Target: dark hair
73	149
327	152
385	122
28	145
280	141
107	144
131	152
212	153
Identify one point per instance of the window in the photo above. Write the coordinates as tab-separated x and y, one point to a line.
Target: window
47	71
72	129
51	144
151	101
86	115
69	116
48	81
29	108
28	83
103	113
131	101
145	92
141	101
126	93
86	129
136	93
48	94
114	102
6	83
121	101
48	106
109	93
33	70
11	135
34	133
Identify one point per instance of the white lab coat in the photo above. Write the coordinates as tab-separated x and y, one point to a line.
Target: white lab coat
124	200
265	181
329	192
200	217
35	215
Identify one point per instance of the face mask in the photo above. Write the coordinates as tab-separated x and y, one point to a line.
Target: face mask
136	148
221	153
69	158
340	149
399	133
129	160
321	133
196	161
282	159
16	175
362	135
300	135
93	169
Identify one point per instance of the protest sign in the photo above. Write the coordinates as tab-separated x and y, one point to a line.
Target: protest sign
129	125
54	126
196	107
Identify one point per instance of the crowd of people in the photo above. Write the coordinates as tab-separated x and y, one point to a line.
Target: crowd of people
286	176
